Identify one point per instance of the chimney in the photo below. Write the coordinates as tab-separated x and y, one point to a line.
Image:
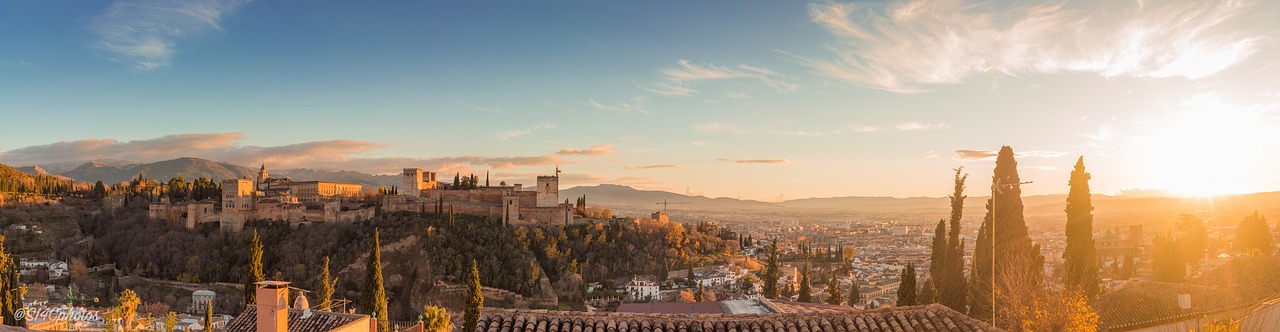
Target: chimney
373	322
273	306
1184	301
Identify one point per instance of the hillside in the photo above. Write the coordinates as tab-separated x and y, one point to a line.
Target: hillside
618	195
368	180
189	168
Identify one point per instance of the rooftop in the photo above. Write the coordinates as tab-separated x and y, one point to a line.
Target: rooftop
299	321
924	318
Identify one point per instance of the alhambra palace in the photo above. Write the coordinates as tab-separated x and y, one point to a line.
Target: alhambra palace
302	202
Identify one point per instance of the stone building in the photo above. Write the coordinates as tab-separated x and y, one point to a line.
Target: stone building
511	204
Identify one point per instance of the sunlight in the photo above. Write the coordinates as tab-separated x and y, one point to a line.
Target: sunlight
1211	149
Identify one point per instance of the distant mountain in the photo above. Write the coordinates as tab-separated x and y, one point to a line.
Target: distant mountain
188	168
368	180
37	170
618	195
67	166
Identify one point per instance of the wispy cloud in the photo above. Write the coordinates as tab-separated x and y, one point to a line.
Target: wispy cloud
143	33
864	128
906	46
677	79
595	151
916	126
991	154
656	166
763	161
509	134
905	126
634	105
225	147
718	128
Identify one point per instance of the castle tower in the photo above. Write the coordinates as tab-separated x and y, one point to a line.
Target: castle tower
549	190
411	182
262	178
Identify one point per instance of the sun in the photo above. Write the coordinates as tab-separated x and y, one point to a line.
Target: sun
1209	150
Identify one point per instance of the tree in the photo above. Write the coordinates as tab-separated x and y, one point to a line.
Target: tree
475	300
834	296
938	252
771	273
436	319
855	294
805	293
1166	261
907	288
1193	239
375	296
950	286
928	292
701	295
208	316
11	289
1021	264
253	273
326	287
1080	258
99	190
1254	234
128	308
170	321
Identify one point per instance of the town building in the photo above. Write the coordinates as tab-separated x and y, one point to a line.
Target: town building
640	289
511	204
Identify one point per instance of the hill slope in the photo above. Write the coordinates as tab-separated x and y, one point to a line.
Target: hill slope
618	195
189	168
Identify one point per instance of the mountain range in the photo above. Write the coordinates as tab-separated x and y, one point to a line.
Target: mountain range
116	171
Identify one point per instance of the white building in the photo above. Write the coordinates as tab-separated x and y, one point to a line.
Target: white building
640	289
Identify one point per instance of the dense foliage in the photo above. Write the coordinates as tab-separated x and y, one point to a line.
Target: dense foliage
14	181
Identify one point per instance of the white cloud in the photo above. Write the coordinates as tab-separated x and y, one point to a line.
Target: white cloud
509	134
677	78
991	155
633	105
143	33
864	128
225	147
916	126
763	161
907	46
595	151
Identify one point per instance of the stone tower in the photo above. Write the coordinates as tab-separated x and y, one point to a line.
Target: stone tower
548	191
262	178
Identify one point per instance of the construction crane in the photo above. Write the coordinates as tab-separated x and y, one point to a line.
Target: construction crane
664	204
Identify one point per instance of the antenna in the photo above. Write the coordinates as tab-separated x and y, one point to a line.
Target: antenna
664	204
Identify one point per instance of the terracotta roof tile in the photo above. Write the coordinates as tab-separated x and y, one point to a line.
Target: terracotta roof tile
318	321
923	318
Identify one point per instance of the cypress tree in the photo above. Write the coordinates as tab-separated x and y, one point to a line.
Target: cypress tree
375	296
805	293
1021	265
771	273
1080	258
475	300
834	296
326	287
939	251
1254	234
12	289
855	294
253	273
950	286
907	288
928	292
208	317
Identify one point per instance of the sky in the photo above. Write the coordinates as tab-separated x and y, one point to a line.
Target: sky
766	100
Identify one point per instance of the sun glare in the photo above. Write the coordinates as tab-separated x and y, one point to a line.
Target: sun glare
1212	149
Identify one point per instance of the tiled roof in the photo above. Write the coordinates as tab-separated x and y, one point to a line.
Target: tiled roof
1253	279
788	307
672	308
319	321
924	318
1150	303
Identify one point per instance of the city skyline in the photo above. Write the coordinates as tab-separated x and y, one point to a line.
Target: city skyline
768	101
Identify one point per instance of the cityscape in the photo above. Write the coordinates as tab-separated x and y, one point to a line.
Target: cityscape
902	165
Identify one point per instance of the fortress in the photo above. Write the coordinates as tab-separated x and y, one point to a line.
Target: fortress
268	198
298	202
421	192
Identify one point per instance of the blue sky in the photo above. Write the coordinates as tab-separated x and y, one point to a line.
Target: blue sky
763	99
